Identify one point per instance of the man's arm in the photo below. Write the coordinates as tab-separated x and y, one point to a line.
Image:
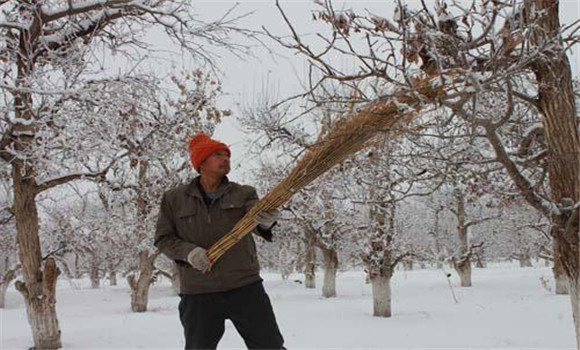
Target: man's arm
166	239
265	233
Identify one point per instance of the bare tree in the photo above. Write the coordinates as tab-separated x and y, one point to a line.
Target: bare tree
383	180
466	221
49	50
318	212
458	48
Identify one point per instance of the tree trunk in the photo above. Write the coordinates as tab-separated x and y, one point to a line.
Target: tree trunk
525	260
568	256
112	277
437	239
462	263
95	278
3	288
62	262
561	283
5	281
575	301
140	286
78	271
463	268
560	279
479	261
330	268
300	258
310	267
40	303
39	285
284	265
557	103
381	285
111	271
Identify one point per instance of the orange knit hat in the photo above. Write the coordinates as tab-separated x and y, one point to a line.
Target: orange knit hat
202	146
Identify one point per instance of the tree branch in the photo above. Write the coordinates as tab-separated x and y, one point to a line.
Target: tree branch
64	179
48	16
479	221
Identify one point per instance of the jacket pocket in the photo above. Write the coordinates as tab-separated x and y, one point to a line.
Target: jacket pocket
232	210
187	224
232	204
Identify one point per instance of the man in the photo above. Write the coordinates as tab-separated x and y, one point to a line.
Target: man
193	217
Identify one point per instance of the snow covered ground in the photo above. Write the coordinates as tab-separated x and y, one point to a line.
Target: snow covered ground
507	308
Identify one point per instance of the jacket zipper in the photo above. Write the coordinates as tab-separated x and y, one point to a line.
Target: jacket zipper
209	212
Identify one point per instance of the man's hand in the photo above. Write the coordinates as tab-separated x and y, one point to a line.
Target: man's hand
198	259
267	218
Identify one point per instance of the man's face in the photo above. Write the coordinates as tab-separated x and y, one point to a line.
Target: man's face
218	163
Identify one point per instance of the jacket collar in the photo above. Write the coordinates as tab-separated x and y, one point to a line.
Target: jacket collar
194	188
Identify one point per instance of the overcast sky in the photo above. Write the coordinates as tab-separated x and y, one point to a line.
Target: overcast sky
245	80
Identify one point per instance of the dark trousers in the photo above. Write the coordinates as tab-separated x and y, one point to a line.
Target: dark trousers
249	308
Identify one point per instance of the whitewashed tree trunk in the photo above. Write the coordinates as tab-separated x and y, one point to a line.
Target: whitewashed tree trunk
283	263
140	285
463	268
330	268
40	300
39	285
462	263
381	262
310	267
381	286
437	239
112	273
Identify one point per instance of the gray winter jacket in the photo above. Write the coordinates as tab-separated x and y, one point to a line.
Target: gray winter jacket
185	221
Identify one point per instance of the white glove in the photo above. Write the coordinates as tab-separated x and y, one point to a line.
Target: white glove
198	259
267	218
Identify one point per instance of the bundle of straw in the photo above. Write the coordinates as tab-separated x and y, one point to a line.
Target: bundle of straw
345	139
